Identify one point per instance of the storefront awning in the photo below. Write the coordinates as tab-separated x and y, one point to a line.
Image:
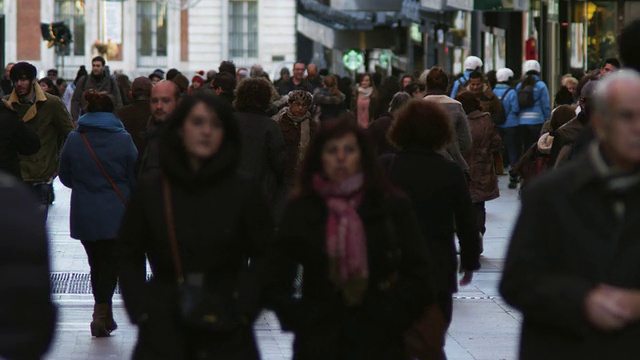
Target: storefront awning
345	39
502	5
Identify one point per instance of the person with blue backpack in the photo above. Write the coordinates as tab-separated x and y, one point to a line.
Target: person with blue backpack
471	64
509	129
534	103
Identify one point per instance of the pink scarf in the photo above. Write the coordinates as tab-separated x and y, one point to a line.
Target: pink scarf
345	236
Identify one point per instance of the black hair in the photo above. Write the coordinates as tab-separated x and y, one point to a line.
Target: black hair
82	71
224	81
172	73
98	58
23	70
227	66
611	61
476	75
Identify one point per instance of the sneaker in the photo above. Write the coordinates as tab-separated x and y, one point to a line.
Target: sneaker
513	182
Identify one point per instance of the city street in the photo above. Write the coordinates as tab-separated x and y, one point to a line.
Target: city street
483	326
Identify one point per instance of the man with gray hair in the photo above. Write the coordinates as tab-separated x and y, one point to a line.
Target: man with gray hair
573	265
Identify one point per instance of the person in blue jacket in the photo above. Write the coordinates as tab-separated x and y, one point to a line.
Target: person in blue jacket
471	64
532	118
508	130
98	195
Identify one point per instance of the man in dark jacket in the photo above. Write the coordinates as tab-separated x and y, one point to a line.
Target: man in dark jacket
100	80
45	115
15	138
263	153
135	116
297	82
164	100
224	85
27	316
572	265
437	84
5	83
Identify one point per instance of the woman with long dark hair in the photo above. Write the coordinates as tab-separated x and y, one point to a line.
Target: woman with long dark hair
329	99
98	164
202	227
365	273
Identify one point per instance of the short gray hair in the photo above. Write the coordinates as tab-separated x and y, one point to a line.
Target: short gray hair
604	86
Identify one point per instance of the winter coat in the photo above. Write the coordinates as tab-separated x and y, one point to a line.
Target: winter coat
331	106
378	133
291	133
135	118
27	315
509	104
149	156
566	135
566	241
49	119
460	82
373	103
285	87
541	110
15	138
484	183
438	190
96	208
460	124
264	153
105	83
221	222
399	286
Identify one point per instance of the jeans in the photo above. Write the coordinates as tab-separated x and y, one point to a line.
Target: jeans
529	134
43	192
512	138
481	216
104	273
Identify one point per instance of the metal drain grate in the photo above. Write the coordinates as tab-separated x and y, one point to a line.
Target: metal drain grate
73	283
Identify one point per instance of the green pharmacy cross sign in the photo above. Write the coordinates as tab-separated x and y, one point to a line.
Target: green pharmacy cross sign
353	59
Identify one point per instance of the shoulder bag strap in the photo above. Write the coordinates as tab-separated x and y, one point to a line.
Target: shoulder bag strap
505	94
104	172
171	229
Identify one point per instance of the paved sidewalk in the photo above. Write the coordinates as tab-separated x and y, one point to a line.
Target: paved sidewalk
483	326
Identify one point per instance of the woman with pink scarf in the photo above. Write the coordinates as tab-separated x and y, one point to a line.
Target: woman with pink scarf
365	270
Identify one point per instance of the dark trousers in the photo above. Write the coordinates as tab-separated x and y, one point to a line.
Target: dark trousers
512	141
43	192
529	134
104	275
481	216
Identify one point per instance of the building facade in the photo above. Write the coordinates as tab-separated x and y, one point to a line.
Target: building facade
143	35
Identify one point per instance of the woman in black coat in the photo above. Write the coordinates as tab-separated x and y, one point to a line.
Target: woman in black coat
365	275
439	192
221	224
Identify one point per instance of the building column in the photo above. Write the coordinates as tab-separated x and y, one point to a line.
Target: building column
476	33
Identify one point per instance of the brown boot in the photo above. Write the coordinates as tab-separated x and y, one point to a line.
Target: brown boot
111	322
100	319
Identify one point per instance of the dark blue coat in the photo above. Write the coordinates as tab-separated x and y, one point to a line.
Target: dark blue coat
96	208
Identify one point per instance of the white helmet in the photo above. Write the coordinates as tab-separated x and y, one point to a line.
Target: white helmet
530	65
504	74
472	63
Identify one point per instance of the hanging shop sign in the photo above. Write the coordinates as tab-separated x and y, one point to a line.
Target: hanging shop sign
353	59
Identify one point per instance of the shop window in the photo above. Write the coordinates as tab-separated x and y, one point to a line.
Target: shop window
152	33
601	30
72	13
243	29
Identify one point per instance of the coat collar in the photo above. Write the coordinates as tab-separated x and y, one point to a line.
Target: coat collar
33	110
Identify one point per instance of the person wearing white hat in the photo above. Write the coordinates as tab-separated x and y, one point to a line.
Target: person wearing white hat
508	130
471	64
534	103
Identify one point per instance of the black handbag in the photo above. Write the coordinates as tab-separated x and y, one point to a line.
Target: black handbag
200	307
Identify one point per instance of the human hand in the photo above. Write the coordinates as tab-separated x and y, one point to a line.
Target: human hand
466	278
612	308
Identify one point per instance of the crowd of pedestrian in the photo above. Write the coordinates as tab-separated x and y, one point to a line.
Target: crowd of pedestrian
335	206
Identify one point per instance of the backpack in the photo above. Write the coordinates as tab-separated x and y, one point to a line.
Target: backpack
502	117
526	98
